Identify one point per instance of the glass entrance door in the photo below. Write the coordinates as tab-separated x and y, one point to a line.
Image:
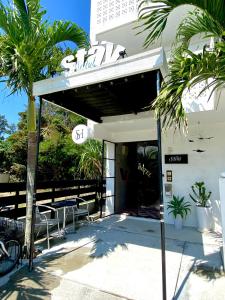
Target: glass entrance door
147	179
138	179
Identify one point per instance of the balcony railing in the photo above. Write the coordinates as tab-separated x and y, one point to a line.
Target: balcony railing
107	14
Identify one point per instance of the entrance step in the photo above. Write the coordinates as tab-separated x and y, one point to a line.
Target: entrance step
69	289
96	216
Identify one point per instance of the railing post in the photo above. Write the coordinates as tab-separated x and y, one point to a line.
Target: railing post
78	194
53	194
16	205
96	196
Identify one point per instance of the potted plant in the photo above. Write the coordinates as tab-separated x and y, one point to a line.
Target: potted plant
201	197
179	208
4	176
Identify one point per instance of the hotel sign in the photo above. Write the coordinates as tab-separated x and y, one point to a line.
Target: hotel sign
176	159
99	54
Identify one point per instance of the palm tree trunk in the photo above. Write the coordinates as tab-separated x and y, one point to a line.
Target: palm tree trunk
30	189
31	172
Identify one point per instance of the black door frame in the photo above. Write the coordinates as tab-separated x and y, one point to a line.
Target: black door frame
104	178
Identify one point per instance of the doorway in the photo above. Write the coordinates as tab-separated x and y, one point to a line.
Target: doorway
137	179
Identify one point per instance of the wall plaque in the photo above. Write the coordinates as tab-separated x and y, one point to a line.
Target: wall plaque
176	159
169	176
80	134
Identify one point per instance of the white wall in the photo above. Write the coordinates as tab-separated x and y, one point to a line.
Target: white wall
106	14
222	199
126	128
205	166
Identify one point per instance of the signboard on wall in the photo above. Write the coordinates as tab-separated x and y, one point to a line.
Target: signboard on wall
99	54
176	159
80	134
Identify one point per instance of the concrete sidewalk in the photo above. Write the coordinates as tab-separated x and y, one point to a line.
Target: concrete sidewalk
120	258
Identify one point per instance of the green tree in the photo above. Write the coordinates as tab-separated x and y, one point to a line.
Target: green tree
205	19
27	42
59	156
5	127
4	157
17	150
13	151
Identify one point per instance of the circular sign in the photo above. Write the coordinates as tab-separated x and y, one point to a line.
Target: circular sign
80	134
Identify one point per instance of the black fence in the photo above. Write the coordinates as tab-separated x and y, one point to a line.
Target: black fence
13	195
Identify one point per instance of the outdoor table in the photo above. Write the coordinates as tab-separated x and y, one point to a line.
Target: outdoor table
65	204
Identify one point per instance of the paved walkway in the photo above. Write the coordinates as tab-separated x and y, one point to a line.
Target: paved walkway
120	258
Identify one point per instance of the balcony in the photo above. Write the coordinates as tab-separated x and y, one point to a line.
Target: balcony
108	14
114	21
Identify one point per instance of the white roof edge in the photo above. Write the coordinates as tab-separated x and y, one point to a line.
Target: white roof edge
136	64
127	117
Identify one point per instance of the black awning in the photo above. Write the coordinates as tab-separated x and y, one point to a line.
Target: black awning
131	94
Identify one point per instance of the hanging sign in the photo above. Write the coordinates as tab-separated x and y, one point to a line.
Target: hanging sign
99	54
176	159
80	134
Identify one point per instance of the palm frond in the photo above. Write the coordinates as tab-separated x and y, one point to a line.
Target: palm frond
36	13
152	20
27	43
67	31
198	22
186	70
153	16
3	18
22	13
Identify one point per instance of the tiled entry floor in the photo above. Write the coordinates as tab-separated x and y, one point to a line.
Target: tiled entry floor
120	258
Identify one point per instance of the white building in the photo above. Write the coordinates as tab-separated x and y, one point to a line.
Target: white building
114	95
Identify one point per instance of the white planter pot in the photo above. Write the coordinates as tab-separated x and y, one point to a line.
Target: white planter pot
204	218
178	222
4	178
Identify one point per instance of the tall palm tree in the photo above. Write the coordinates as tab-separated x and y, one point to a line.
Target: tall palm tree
27	43
186	68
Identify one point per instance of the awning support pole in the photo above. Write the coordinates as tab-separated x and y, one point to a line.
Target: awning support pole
162	224
31	252
102	177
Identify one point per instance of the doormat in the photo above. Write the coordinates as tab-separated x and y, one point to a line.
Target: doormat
143	212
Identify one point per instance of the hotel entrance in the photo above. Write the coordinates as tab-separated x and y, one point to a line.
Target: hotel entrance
137	179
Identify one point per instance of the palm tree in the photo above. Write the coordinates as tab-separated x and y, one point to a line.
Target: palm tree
186	68
90	163
27	43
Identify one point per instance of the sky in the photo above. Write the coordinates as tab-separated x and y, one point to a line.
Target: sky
77	11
